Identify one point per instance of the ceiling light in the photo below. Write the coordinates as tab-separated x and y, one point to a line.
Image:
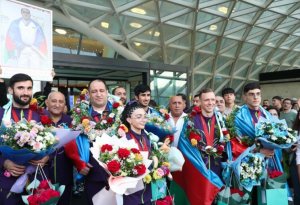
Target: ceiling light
61	31
104	24
213	27
223	9
137	44
156	33
135	25
138	11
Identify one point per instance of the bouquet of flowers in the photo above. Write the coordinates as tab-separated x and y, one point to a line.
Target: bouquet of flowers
249	169
24	141
232	196
121	158
276	179
275	134
158	124
111	123
43	193
197	141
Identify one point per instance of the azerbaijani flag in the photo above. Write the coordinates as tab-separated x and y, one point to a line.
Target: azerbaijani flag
195	184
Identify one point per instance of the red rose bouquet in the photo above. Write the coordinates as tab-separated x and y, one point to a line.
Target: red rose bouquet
42	193
122	159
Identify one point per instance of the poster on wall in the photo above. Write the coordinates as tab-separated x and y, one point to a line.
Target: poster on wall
26	40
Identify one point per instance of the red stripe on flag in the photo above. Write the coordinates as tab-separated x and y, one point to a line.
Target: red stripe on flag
199	190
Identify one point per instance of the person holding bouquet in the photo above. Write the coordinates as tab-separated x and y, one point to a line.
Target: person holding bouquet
20	87
95	177
242	122
134	117
61	170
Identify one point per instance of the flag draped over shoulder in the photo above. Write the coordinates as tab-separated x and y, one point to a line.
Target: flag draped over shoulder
200	185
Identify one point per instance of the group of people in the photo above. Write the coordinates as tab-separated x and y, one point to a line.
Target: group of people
207	115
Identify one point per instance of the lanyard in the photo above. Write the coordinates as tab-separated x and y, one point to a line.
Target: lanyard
17	119
257	115
141	144
209	134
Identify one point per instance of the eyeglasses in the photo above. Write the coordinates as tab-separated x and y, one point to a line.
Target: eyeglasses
140	117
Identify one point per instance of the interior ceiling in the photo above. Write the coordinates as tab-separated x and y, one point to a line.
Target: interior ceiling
223	42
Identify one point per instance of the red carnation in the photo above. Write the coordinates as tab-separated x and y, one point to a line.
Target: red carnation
123	153
33	107
195	136
171	138
45	120
225	132
135	151
116	105
44	185
110	120
83	118
167	116
234	191
141	169
274	174
113	166
220	149
106	147
168	200
82	97
197	109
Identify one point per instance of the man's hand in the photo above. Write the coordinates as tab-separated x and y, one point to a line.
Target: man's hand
267	152
14	169
42	161
86	169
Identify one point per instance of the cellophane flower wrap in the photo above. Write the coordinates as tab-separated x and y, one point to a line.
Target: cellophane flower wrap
249	169
24	141
161	169
158	124
81	117
43	193
276	179
121	158
275	134
233	196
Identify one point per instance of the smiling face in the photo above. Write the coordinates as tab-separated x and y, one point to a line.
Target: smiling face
143	99
253	98
98	94
22	93
137	120
121	92
207	102
56	103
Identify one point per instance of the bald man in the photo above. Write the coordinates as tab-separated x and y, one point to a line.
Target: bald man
176	105
61	166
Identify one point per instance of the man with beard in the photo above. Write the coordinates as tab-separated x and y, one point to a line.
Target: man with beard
95	176
56	103
20	87
142	95
120	92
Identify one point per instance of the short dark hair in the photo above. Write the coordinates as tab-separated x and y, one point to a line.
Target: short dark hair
205	90
114	90
289	99
277	98
227	91
273	108
183	96
99	80
141	88
251	86
19	77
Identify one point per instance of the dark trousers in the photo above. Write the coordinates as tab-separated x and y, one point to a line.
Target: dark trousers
66	196
91	188
13	199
